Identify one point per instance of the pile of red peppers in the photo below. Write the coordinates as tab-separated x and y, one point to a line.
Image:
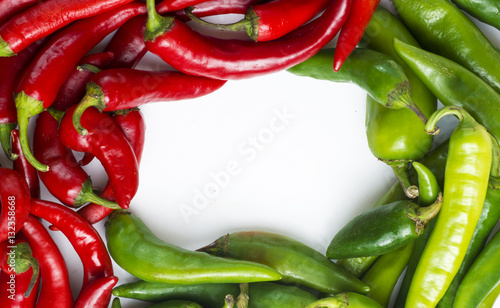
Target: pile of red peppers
85	102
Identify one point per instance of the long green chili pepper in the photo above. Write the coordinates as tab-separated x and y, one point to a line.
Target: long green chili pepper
383	78
490	300
484	10
442	28
396	137
385	272
467	173
178	303
273	295
138	251
344	300
295	261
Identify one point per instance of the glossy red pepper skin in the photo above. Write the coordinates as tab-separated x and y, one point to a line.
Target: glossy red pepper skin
55	290
42	79
45	18
15	202
97	294
215	7
133	126
352	31
196	54
22	166
66	179
82	235
73	89
10	8
108	144
18	300
174	5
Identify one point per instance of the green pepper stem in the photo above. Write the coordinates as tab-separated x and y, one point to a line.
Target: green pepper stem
156	24
400	170
401	98
88	67
242	300
422	215
463	117
87	195
94	97
228	301
24	260
28	107
5	50
5	130
56	114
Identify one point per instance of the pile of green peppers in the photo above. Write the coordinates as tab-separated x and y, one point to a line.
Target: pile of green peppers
436	221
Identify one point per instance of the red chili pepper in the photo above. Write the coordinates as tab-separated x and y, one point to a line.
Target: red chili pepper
43	78
12	292
196	54
15	202
271	20
45	18
214	7
97	294
73	89
174	5
131	123
22	166
55	290
10	8
81	234
117	89
352	31
10	69
66	180
108	144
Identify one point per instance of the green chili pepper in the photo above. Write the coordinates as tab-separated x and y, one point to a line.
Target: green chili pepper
206	294
116	303
482	277
484	10
467	173
343	300
382	229
428	186
138	251
273	295
295	261
383	78
396	137
176	304
442	28
490	300
385	272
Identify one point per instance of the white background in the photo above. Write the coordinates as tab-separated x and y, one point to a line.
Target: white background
303	177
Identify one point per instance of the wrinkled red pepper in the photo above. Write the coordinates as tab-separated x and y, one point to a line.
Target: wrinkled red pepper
21	165
108	144
196	54
45	18
43	78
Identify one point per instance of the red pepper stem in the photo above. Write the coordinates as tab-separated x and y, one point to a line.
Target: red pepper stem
421	215
28	107
88	67
400	170
93	98
5	130
156	24
5	50
88	195
24	260
249	24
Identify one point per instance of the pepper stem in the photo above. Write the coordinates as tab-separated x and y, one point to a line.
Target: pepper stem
28	107
228	301
464	118
24	260
242	300
156	24
5	130
338	301
422	215
94	97
88	67
400	170
5	50
400	97
87	195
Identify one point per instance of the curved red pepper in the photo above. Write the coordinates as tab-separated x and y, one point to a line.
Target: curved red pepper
21	165
10	8
117	89
45	18
66	180
352	31
55	290
108	144
43	78
10	70
97	294
196	54
174	5
15	297
15	202
81	234
73	89
132	125
213	7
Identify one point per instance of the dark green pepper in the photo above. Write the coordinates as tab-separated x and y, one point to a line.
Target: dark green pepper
383	78
295	261
486	11
176	304
273	295
138	251
344	300
382	229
